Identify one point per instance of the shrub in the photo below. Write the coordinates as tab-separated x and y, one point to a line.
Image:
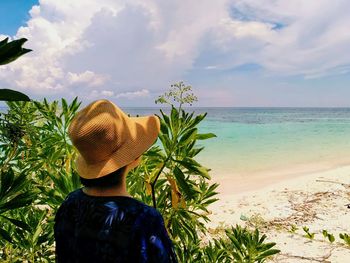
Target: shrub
38	172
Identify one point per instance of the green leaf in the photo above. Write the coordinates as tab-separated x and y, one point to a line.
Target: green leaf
163	127
37	232
12	95
7	179
174	117
197	120
10	51
205	136
20	200
3	42
5	235
188	136
184	186
325	233
17	223
194	167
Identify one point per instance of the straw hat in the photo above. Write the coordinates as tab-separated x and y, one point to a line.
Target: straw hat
107	139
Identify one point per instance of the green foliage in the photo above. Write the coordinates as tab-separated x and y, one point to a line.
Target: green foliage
329	236
247	246
14	194
240	245
214	252
307	233
34	243
293	229
12	95
345	237
171	179
10	51
38	172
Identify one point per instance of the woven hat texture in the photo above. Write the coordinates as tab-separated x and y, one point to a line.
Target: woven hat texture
107	139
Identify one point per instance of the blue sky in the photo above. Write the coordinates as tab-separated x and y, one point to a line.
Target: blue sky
233	53
14	13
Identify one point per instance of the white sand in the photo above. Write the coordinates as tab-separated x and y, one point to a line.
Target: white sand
301	201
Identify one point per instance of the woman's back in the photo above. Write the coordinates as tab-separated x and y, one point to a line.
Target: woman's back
110	229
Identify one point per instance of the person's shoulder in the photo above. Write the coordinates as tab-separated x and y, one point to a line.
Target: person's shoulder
70	199
64	210
76	194
149	213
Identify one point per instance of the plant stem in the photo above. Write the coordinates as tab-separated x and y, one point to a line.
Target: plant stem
155	180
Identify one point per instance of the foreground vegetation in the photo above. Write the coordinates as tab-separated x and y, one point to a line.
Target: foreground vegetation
37	173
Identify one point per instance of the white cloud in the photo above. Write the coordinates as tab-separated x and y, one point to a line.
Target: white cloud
108	93
89	78
130	95
135	94
312	40
112	48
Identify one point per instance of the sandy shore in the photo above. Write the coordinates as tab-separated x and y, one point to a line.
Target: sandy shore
317	200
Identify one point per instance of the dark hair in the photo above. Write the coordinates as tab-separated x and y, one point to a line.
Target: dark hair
112	179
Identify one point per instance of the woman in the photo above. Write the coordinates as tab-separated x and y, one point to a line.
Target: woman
101	222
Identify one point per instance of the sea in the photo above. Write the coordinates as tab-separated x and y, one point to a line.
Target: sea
271	141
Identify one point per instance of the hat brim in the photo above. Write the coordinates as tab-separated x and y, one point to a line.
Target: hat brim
142	133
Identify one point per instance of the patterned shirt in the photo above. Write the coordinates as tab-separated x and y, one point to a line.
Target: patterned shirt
110	229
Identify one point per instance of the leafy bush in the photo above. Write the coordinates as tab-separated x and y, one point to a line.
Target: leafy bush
240	245
247	246
170	177
36	176
38	172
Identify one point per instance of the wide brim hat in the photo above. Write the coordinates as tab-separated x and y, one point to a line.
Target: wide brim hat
108	139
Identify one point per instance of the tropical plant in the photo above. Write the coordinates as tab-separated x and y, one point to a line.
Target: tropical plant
247	246
15	180
38	159
13	195
171	179
9	52
38	172
35	242
239	245
345	237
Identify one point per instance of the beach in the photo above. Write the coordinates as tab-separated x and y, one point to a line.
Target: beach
280	169
281	207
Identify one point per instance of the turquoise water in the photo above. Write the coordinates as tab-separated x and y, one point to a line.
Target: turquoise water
262	140
271	140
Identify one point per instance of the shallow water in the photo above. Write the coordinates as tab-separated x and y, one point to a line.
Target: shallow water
262	140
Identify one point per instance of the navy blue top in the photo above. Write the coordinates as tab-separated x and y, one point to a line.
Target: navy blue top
110	229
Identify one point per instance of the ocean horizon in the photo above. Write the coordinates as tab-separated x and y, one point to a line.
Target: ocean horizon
270	140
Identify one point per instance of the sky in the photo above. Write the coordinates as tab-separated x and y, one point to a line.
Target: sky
234	53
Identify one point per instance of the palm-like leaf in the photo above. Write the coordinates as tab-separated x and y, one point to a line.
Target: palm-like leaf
10	51
248	247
